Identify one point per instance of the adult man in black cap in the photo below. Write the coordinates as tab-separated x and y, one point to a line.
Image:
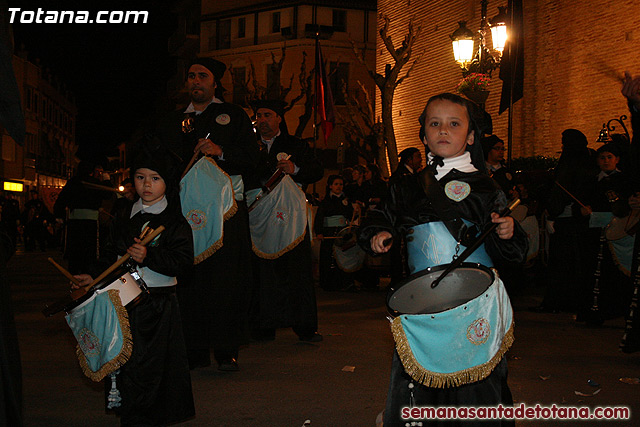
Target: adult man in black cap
285	294
213	301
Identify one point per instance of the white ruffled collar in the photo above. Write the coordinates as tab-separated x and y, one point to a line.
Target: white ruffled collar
461	163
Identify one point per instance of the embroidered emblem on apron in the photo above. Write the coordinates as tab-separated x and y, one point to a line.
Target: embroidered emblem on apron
196	218
479	331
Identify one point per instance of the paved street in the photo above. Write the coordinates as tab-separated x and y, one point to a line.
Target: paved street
339	382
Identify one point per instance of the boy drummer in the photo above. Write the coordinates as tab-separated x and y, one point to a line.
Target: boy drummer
155	383
449	132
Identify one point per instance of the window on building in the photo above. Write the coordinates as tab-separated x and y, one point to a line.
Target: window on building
273	82
240	86
213	39
242	28
339	20
224	34
275	22
339	79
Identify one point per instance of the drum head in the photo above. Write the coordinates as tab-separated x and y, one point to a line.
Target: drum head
415	295
347	238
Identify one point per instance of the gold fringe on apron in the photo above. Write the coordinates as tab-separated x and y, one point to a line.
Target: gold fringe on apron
282	251
440	380
127	343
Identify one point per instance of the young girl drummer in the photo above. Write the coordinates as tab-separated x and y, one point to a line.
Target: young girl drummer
424	343
154	383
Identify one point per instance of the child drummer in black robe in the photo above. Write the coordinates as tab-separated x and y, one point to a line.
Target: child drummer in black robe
155	383
446	339
332	215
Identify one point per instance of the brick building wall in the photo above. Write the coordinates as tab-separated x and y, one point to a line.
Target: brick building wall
573	50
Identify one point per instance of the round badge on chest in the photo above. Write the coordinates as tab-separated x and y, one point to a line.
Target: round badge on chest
223	119
457	190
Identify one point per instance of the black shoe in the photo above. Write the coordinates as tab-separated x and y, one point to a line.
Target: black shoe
315	337
228	365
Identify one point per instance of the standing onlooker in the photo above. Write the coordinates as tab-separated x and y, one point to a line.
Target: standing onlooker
410	163
80	205
493	149
566	224
34	218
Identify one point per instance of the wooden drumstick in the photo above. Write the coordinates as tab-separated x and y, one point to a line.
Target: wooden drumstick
64	272
570	195
125	257
193	159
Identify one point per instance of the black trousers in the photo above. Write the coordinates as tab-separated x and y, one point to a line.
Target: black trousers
491	391
155	382
285	294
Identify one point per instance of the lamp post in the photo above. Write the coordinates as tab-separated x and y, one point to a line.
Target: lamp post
604	136
480	60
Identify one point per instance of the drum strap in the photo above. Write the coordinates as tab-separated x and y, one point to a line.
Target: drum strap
444	208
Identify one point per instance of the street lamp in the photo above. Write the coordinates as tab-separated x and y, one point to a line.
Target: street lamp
462	41
480	60
499	29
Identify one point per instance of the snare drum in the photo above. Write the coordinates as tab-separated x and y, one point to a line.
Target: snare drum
414	295
348	254
129	284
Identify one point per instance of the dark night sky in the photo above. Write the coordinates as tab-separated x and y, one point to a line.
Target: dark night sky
117	71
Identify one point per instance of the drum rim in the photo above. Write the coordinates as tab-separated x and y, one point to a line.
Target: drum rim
112	277
430	270
109	279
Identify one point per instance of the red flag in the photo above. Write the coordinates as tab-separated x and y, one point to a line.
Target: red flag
324	98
